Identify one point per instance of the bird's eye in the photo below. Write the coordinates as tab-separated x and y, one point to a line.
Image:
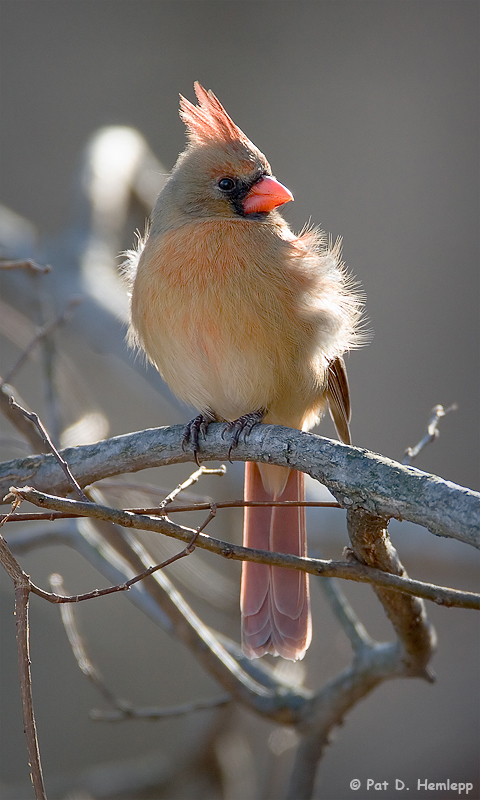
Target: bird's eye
226	184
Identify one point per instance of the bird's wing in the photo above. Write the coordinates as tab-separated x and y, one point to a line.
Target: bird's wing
338	396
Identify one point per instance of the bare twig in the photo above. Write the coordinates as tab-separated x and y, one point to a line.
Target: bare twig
35	419
41	334
158	713
78	648
28	264
29	516
352	626
123	709
53	597
194	477
22	592
14	413
114	551
123	587
21	582
349	571
431	434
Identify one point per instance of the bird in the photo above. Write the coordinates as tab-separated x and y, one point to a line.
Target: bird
247	322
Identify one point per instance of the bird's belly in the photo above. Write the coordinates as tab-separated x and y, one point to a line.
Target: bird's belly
211	367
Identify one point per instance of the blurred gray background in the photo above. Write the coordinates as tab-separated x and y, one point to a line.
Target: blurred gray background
368	112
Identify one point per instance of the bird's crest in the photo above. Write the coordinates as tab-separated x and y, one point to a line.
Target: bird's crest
208	120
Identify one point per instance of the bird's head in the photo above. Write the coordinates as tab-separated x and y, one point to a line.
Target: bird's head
221	173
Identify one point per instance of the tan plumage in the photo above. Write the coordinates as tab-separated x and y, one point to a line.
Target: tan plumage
239	314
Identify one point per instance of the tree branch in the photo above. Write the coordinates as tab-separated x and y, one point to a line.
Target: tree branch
357	478
372	546
22	593
354	629
371	487
350	571
22	585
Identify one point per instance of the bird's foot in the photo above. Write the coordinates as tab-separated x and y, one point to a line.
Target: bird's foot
194	429
243	424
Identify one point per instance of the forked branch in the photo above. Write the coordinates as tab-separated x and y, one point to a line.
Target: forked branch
357	478
354	570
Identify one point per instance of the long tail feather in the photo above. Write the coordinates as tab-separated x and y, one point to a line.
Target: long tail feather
275	602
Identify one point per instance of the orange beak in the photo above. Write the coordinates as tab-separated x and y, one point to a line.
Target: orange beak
266	195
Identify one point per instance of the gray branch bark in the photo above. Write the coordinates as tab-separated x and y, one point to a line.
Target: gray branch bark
359	479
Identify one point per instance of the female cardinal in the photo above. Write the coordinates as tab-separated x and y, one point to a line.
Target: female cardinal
247	322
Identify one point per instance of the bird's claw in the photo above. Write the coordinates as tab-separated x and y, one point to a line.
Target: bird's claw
193	430
243	424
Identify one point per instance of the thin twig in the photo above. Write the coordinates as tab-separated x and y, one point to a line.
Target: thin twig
28	264
52	597
22	593
354	629
154	510
7	559
431	434
22	585
355	571
158	713
78	648
41	334
18	419
123	709
194	477
33	417
124	587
